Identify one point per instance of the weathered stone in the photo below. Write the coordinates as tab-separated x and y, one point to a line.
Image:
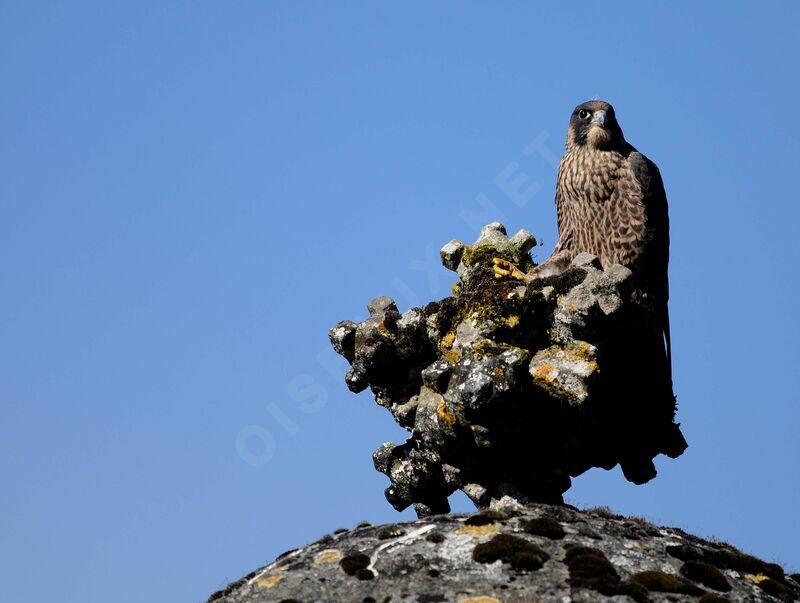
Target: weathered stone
356	382
451	254
565	371
406	414
520	553
382	458
343	339
523	240
437	375
510	390
477	494
584	259
382	305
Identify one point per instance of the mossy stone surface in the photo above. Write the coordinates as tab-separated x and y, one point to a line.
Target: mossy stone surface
545	526
519	553
510	388
489	556
706	574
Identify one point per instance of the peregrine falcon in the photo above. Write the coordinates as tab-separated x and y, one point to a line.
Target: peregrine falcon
611	203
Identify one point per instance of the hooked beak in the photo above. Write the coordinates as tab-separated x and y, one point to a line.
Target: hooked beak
599	118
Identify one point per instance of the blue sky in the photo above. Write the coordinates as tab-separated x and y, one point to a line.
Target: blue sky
194	192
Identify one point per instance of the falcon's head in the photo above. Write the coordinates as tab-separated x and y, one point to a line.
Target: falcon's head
594	125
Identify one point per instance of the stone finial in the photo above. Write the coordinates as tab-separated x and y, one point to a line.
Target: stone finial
509	390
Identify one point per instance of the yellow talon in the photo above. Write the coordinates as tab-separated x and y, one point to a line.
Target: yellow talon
505	268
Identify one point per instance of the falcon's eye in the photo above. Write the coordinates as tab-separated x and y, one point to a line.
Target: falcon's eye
583	114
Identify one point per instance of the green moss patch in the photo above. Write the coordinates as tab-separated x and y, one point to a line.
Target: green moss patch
352	564
776	589
521	554
656	581
482	255
545	526
728	558
706	574
589	568
365	574
484	518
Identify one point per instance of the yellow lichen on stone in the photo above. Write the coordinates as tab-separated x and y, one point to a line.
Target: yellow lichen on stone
564	371
328	556
479	348
546	372
446	347
498	372
445	416
583	351
479	531
452	356
512	321
756	578
481	600
269	581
